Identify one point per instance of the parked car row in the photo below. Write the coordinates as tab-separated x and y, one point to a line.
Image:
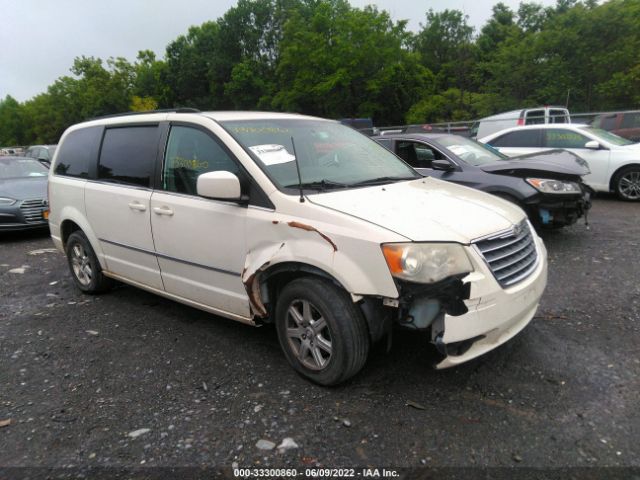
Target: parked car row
309	225
547	185
614	161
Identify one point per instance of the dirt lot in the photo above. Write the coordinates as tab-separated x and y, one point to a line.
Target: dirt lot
81	377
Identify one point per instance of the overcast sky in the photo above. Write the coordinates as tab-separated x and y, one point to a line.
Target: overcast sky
40	38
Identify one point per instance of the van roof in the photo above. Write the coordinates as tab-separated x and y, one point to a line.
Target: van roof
520	111
160	115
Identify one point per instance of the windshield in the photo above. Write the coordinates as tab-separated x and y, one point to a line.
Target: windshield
329	155
608	136
470	151
24	167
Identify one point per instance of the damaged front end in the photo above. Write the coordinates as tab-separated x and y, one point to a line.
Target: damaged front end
555	211
429	280
418	307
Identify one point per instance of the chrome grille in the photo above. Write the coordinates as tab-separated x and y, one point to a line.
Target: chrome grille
32	210
511	256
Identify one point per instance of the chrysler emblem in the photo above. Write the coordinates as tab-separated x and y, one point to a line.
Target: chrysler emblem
517	229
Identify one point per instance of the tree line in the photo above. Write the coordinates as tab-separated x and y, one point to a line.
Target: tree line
327	58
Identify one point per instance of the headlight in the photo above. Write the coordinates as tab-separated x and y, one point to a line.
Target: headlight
547	185
426	262
6	202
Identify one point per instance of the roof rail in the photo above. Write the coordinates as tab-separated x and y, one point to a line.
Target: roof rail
165	110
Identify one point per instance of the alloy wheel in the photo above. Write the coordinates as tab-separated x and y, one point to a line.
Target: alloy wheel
308	335
629	185
81	265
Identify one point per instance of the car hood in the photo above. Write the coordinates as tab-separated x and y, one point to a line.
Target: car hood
24	188
555	162
426	209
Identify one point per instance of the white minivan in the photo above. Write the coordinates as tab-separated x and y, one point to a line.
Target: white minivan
297	221
515	118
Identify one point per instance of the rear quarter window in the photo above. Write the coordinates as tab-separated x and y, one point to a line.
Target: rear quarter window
78	152
558	116
534	117
128	155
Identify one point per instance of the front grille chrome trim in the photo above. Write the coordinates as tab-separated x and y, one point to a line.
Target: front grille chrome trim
511	255
32	210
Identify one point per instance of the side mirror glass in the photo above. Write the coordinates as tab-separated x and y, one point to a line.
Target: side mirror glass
592	145
221	185
444	165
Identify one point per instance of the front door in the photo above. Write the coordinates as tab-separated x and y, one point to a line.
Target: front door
598	160
200	243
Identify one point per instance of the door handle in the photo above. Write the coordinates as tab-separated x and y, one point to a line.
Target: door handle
162	211
137	206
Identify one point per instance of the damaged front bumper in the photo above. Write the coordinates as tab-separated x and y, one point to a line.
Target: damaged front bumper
554	211
494	315
467	316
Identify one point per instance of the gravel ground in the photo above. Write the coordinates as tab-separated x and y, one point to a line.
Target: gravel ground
128	379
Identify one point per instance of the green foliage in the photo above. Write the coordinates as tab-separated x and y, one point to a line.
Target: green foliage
327	58
453	105
338	61
11	122
446	46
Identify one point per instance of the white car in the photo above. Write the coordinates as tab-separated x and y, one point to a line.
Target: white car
297	221
614	161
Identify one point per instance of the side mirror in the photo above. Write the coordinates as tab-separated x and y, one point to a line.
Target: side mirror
592	145
221	185
444	165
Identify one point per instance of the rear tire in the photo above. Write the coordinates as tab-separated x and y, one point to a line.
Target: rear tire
321	331
627	184
84	265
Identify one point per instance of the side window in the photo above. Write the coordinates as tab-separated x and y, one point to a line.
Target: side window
418	155
518	138
385	142
558	116
192	152
556	138
128	155
608	122
534	117
630	120
78	151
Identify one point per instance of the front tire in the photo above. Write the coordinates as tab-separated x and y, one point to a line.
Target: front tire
321	331
627	184
83	263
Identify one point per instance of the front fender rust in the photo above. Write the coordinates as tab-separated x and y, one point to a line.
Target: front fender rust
309	228
251	277
252	286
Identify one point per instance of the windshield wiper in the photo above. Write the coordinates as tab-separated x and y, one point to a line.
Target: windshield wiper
320	185
380	181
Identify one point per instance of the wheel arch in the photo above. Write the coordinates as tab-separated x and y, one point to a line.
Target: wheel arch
276	277
614	176
67	227
265	284
74	221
